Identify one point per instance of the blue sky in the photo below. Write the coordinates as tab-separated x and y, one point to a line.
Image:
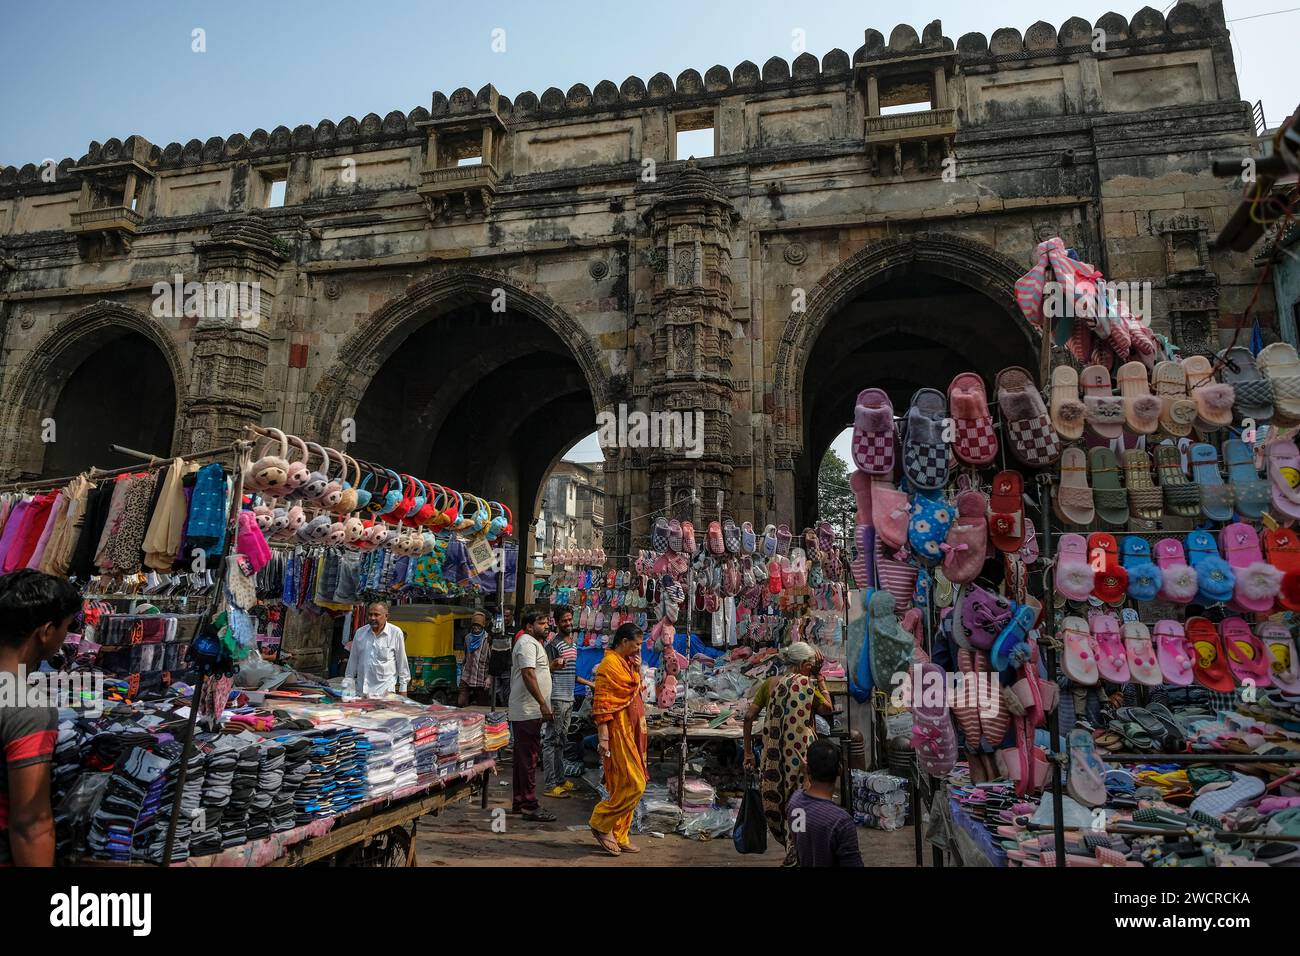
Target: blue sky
84	69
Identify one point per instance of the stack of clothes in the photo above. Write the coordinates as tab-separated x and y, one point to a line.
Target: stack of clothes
496	731
270	779
151	833
297	764
131	801
234	822
698	796
425	741
221	758
448	747
471	735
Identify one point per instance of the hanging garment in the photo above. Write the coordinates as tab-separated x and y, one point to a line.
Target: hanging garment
125	552
34	521
98	501
206	524
38	554
251	542
103	553
11	529
58	553
167	527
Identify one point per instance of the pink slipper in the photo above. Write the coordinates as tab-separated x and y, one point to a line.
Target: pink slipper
890	511
1074	573
1213	399
1174	653
1029	550
1283	660
873	433
1111	658
965	707
1258	581
1284	473
996	726
1080	659
1032	436
1179	584
774	576
1248	659
976	442
675	535
688	538
716	544
967	543
1141	408
1142	663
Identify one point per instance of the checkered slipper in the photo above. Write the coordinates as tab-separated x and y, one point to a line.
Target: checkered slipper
731	536
925	453
873	433
1033	439
975	442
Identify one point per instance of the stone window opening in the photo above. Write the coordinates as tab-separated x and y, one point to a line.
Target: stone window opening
274	186
694	133
906	94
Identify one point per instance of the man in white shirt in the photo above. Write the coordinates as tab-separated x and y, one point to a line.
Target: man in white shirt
377	664
530	705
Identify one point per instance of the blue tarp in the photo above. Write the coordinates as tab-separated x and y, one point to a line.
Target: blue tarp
589	657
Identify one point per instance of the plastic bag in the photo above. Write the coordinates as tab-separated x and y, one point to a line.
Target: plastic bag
710	824
750	832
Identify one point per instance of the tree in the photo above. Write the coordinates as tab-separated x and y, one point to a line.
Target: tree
835	500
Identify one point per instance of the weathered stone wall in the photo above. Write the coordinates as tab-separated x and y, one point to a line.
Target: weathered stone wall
652	284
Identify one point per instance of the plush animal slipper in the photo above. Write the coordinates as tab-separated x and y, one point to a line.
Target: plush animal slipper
1074	572
1141	408
1173	652
873	433
1213	399
1073	499
1144	577
1066	409
1182	496
1007	515
1179	581
966	545
1216	497
1033	438
976	442
1178	411
1257	581
1109	497
1252	391
1105	410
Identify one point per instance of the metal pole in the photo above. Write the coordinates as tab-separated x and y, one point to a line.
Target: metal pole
1049	649
686	684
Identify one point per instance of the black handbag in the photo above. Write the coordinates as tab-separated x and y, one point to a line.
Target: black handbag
750	832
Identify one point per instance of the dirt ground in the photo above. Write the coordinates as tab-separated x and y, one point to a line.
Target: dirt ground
463	836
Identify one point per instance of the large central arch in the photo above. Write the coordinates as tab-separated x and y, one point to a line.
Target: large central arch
901	314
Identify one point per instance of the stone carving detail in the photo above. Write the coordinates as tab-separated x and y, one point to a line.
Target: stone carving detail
332	289
796	253
684	261
598	269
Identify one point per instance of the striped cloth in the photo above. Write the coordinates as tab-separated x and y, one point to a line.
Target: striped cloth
896	577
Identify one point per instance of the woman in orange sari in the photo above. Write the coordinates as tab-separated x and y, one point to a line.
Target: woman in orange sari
619	711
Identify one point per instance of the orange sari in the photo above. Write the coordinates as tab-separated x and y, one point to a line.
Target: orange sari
618	703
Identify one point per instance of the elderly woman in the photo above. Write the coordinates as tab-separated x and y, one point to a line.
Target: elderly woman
619	712
791	699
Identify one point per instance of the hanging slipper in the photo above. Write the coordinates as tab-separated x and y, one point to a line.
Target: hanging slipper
1111	580
1141	408
1029	551
890	511
860	482
1073	501
1281	366
1074	572
659	536
675	535
1079	660
1252	391
1248	659
825	537
1145	499
1144	577
1284	661
1112	661
1033	439
1012	647
773	576
925	453
1213	399
1108	496
1086	781
890	647
976	442
933	738
984	614
715	542
1216	497
1104	409
1174	653
1142	663
688	538
783	538
895	576
1066	409
1007	515
1179	582
1177	411
1214	576
873	433
928	527
1182	496
1257	581
748	540
967	542
1282	547
1250	492
769	541
1284	476
731	536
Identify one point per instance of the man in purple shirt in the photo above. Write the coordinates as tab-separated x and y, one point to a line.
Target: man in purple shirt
823	833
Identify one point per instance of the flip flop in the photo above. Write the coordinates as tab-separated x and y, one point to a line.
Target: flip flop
1214	576
1177	412
1066	409
1281	366
1252	493
1257	581
1012	648
1182	496
873	433
1086	782
1112	661
731	536
1283	660
1284	474
1174	653
890	511
1074	572
1029	551
1141	408
1213	399
606	842
1142	663
1248	659
1108	496
1079	660
1178	580
748	541
1208	664
1144	578
1111	582
1282	547
1216	497
1073	499
1007	512
966	545
1145	499
1029	427
1252	391
1105	410
925	453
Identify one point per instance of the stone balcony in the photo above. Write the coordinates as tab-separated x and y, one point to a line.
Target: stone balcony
923	124
458	190
107	219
